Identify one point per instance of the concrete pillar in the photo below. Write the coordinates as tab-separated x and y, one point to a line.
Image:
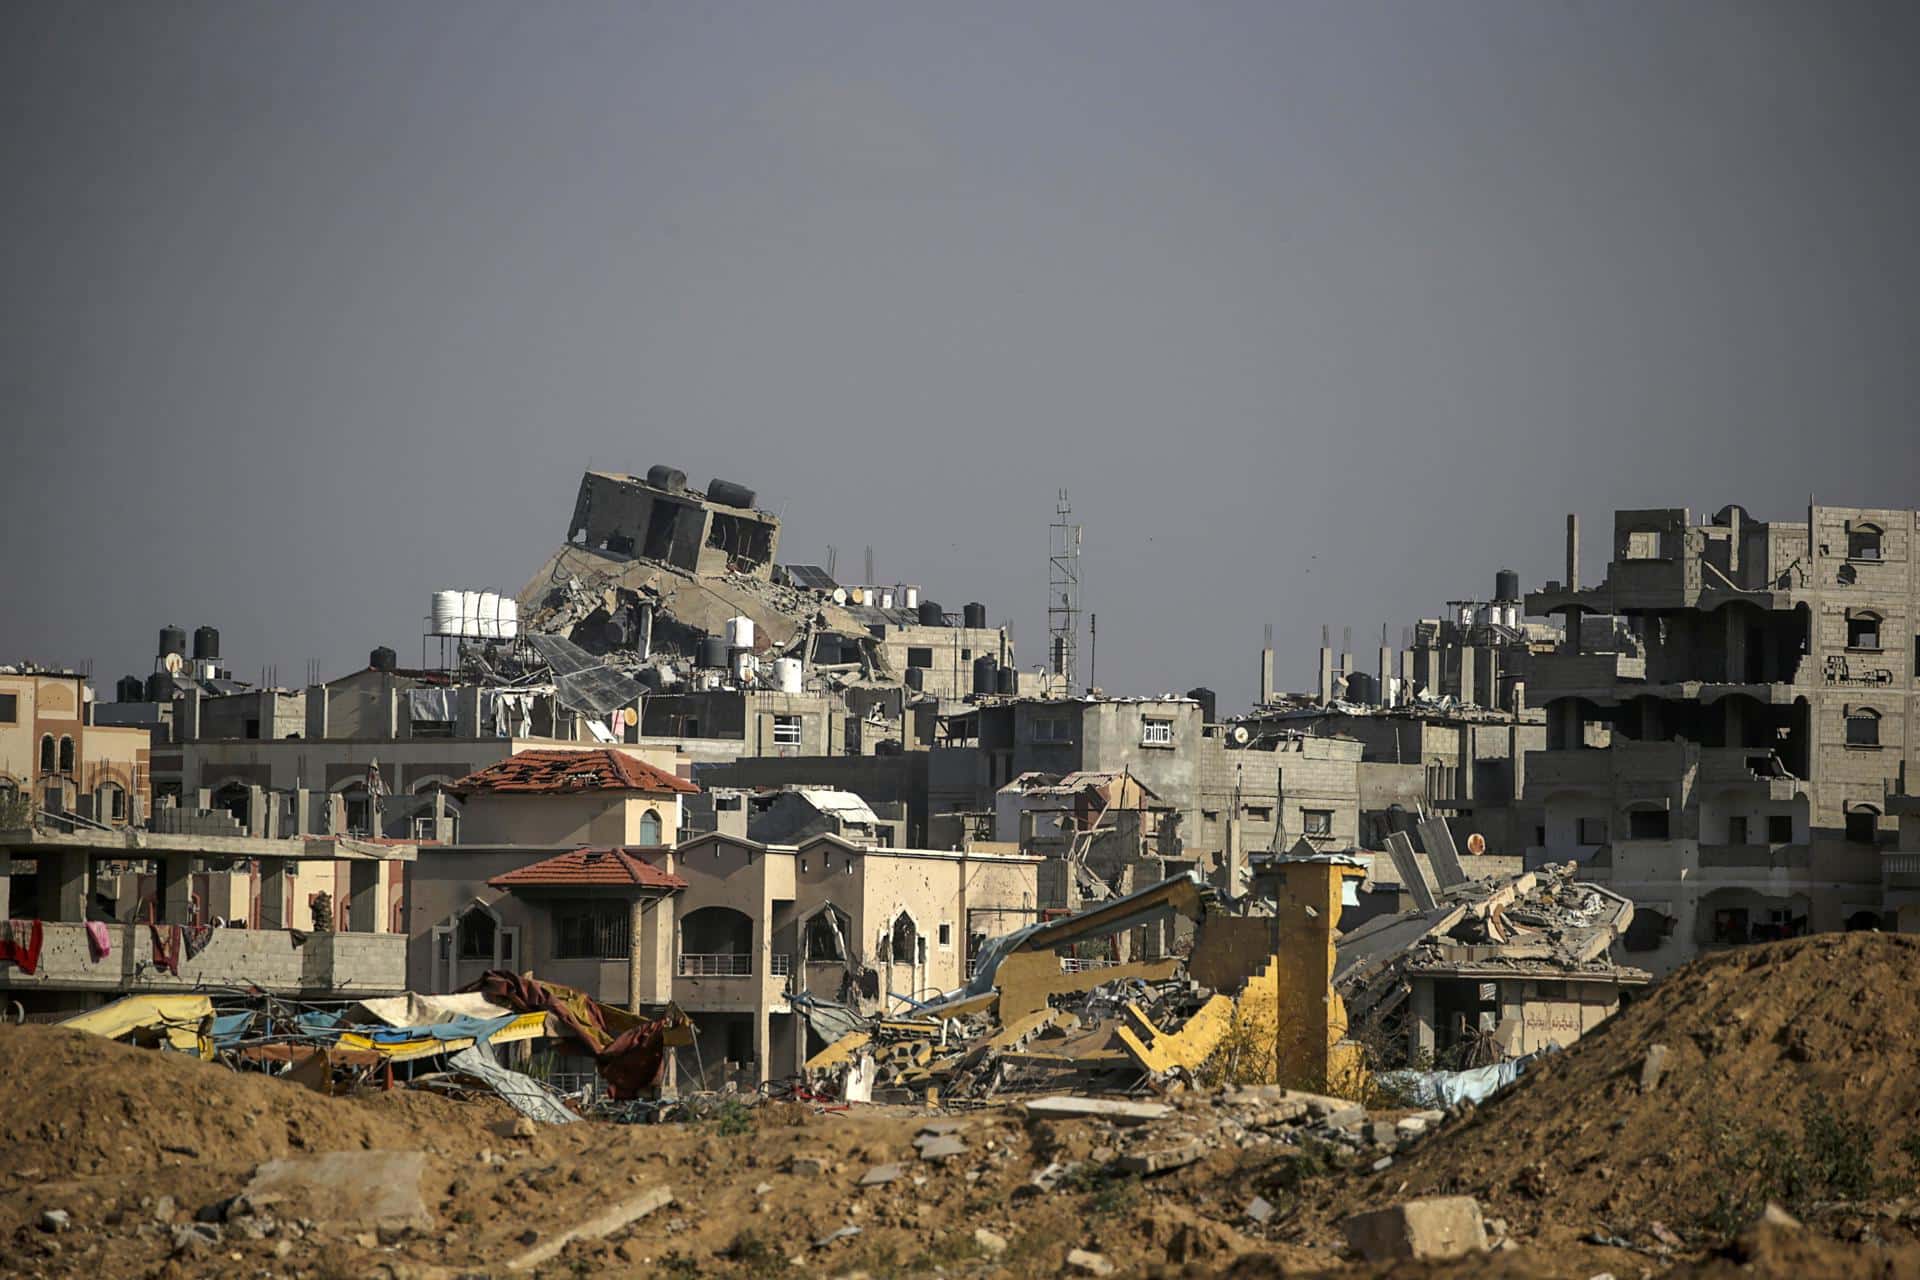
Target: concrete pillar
273	893
1406	671
302	812
1463	789
1467	664
176	888
336	814
1420	1027
467	711
1235	856
363	895
257	821
636	953
203	799
1266	676
186	716
1326	674
1517	757
1386	676
1573	551
386	716
316	712
73	876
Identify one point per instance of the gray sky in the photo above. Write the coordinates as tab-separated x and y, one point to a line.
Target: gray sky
1322	312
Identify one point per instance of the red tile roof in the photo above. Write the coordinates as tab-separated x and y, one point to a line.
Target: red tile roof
590	868
565	772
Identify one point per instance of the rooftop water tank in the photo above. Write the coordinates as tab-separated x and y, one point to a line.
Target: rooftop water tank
383	659
509	617
469	614
173	640
787	675
729	494
487	620
986	674
671	479
1209	703
1009	680
130	689
975	615
206	644
1506	585
445	613
930	614
713	653
740	633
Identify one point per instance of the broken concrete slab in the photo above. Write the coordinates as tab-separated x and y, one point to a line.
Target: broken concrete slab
604	1224
807	1166
1259	1211
942	1148
353	1189
881	1174
1438	1228
989	1242
1089	1264
834	1237
1653	1067
1150	1162
1114	1110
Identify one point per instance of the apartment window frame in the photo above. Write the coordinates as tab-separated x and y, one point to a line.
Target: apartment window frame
1156	731
1776	832
1050	730
1739	829
1643	544
1316	822
788	730
1863	825
9	708
1592	829
1866	542
591	928
920	655
1649	824
1863	631
1863	727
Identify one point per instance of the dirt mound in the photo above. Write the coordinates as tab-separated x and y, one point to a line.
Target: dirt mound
89	1105
1791	1073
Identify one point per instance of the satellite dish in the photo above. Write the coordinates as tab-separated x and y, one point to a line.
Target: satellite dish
1476	844
1239	735
173	663
631	716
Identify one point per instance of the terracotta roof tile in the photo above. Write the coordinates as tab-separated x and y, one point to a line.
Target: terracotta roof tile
590	868
549	772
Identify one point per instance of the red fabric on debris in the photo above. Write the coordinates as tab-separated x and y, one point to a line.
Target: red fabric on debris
166	947
25	954
631	1054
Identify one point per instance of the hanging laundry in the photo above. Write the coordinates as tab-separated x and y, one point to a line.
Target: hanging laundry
198	936
166	947
99	941
20	943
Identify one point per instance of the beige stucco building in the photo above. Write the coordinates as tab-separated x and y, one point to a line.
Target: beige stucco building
51	750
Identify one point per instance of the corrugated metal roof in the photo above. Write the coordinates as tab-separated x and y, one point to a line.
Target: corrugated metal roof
559	772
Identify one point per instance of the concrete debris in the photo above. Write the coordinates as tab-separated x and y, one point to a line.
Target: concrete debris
1114	1110
605	1224
1151	1162
1653	1067
56	1220
834	1237
1259	1211
989	1242
881	1174
942	1147
1433	1229
346	1189
1089	1264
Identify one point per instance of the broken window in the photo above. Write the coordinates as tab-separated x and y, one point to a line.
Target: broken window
46	754
1258	812
1647	824
1317	822
919	655
1593	831
1863	631
1780	828
476	935
1648	930
1156	733
826	938
946	933
726	802
590	930
66	755
1643	544
1863	727
1052	729
746	542
1863	826
786	731
9	708
1863	542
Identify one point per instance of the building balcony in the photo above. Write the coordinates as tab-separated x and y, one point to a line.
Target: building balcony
1900	870
325	964
1588	675
1757	766
715	965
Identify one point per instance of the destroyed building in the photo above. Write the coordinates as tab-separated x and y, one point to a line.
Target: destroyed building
1732	773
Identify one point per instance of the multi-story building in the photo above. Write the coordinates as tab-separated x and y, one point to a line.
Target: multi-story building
1731	771
54	756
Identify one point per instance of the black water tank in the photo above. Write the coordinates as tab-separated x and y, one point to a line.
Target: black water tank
931	614
916	678
159	687
1363	688
974	615
130	689
713	653
173	640
1506	585
986	674
383	659
1009	680
671	479
729	494
206	644
1208	701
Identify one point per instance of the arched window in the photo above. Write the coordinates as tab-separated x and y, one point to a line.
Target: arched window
1863	542
476	934
66	755
905	941
46	754
1863	824
1863	727
1863	629
826	937
110	803
650	827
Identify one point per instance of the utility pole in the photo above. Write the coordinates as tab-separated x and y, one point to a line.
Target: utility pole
1063	601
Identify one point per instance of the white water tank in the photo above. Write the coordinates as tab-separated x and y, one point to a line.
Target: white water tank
909	597
1513	613
446	613
469	614
745	665
1466	615
509	617
740	633
487	620
786	675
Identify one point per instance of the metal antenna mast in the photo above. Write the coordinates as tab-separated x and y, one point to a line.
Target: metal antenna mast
1063	601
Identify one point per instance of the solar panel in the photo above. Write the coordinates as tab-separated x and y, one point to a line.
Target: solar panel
583	682
811	576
